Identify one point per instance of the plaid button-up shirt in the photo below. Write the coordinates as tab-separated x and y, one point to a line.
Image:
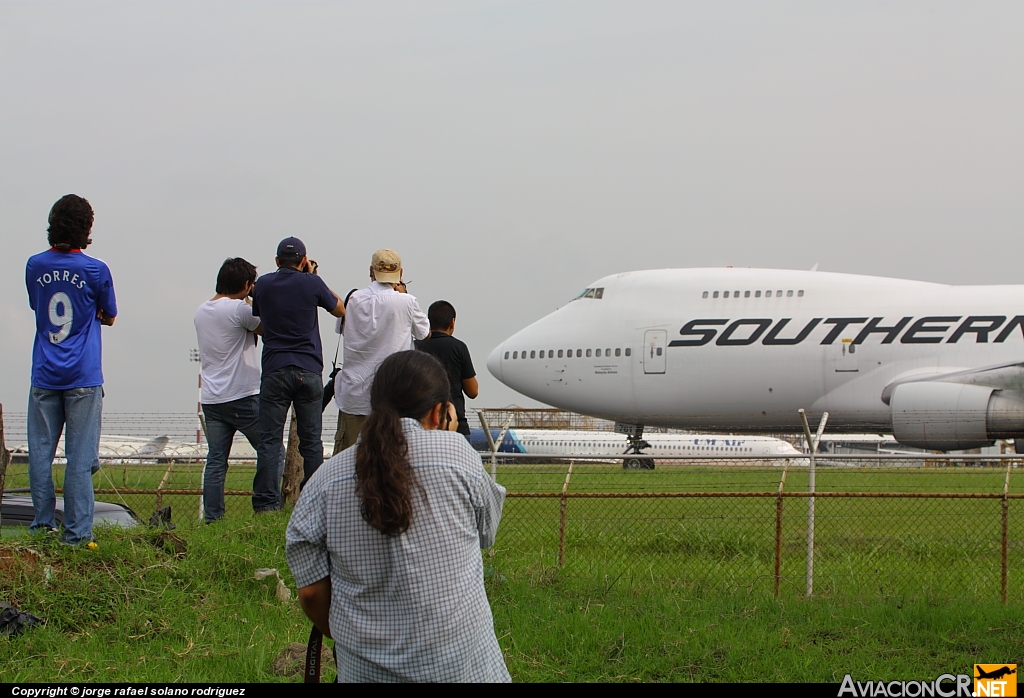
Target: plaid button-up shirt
412	607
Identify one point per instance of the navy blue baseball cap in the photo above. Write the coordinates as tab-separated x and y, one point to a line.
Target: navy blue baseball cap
291	248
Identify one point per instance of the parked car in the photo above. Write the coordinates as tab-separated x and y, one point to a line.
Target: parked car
16	510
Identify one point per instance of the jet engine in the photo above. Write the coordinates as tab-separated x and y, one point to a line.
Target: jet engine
954	416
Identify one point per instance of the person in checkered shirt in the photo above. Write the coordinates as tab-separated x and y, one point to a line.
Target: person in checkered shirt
385	540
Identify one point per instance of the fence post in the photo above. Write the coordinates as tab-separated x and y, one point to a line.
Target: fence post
493	445
812	446
1006	532
778	528
160	487
202	480
5	455
562	517
293	464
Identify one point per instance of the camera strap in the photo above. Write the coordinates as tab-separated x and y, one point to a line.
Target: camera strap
313	649
334	364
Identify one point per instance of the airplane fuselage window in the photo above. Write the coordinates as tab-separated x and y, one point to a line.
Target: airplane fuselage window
725	294
628	351
506	354
607	352
618	352
579	353
716	294
799	294
705	295
746	294
588	353
757	294
515	355
551	353
767	294
778	294
735	294
559	353
789	294
533	354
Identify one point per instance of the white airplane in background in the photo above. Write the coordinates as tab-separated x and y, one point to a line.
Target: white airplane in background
566	442
742	350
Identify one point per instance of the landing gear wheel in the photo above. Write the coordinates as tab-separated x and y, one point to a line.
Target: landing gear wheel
633	464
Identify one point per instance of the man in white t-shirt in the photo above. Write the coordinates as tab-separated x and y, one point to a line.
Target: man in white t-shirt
381	319
227	329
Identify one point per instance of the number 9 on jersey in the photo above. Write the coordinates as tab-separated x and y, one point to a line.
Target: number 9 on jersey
63	319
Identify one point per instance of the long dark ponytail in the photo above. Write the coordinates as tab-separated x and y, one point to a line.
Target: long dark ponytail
407	384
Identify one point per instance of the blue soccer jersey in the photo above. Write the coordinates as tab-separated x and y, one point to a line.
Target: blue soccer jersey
66	290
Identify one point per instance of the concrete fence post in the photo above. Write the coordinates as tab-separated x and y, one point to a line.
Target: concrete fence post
812	446
778	528
562	517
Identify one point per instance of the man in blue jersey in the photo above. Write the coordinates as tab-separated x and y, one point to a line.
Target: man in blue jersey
286	303
72	294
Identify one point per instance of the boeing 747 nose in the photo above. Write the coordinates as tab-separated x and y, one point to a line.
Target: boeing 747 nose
494	362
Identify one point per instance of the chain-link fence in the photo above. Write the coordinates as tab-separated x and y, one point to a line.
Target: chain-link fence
883	525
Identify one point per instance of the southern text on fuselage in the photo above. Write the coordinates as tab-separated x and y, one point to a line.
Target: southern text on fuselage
932	329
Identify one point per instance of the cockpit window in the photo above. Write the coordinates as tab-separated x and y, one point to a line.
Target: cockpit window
591	293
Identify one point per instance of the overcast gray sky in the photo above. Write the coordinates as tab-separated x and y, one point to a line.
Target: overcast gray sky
511	152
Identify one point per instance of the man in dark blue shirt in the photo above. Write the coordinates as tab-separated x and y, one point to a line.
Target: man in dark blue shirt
72	295
293	362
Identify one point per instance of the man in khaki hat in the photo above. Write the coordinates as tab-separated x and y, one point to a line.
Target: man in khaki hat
381	319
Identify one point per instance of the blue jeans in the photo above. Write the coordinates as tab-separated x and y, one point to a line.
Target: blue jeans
49	412
279	390
222	421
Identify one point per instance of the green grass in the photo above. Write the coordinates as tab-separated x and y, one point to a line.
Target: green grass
131	611
651	589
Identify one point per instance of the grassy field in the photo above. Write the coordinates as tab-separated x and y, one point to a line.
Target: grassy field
651	589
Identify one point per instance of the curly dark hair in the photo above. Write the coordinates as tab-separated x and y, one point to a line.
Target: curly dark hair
71	221
407	384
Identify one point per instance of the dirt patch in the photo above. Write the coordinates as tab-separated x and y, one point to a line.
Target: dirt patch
17	560
291	661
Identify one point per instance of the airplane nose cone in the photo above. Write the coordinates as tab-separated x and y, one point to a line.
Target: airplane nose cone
494	362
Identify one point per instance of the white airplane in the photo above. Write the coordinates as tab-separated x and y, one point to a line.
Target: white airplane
566	442
742	350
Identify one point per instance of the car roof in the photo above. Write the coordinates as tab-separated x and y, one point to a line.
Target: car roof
17	505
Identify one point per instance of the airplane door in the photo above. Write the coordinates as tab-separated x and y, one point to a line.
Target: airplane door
654	350
846	359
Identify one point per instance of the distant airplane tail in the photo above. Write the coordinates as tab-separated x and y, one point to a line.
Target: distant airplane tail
155	446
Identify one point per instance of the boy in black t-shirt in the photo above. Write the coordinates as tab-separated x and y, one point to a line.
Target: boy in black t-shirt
454	354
